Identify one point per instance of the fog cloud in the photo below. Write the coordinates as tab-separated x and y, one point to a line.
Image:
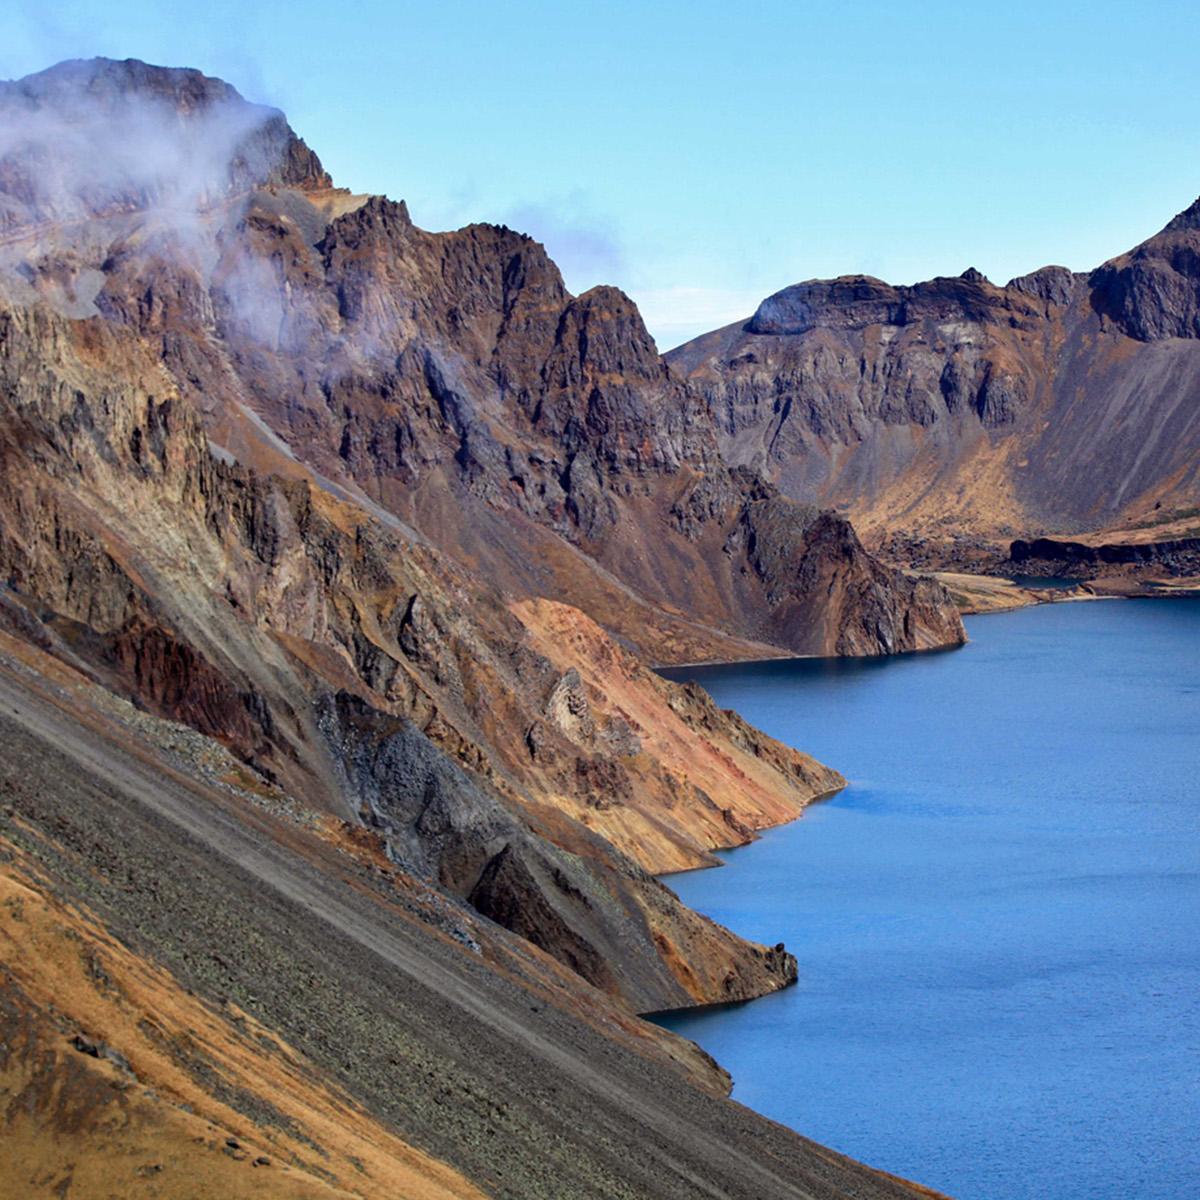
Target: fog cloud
72	145
153	153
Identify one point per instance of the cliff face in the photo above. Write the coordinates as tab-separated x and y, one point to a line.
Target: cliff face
1153	292
329	762
344	663
956	409
448	378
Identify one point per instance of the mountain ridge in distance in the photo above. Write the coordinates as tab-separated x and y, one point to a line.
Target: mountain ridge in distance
952	417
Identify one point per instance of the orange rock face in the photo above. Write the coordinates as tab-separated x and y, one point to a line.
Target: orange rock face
692	777
116	1079
332	774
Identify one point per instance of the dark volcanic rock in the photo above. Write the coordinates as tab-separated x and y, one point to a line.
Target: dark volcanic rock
451	377
1153	292
856	301
1176	556
834	573
1055	285
956	408
440	824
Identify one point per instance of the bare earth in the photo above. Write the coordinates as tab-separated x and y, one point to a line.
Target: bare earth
453	1058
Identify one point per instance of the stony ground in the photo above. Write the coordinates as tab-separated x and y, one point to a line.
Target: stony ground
521	1096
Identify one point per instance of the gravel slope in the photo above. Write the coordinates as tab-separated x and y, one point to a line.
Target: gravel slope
524	1099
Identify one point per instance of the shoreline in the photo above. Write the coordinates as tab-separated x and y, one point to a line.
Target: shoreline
712	866
1096	624
980	595
1030	598
1034	600
1006	594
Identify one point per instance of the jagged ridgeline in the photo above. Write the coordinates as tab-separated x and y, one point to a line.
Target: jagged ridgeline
954	416
333	554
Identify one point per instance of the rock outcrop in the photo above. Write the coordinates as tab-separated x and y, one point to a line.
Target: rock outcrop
956	412
449	378
1153	292
1178	555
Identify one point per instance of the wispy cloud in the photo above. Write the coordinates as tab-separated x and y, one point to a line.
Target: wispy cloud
74	144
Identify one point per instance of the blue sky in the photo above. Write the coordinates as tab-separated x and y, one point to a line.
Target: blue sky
703	155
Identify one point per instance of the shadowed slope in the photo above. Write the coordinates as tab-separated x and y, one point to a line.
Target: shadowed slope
958	409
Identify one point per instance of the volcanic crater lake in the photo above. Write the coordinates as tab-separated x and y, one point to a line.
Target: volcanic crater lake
997	922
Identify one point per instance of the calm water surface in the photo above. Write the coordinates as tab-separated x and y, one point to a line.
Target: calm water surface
997	922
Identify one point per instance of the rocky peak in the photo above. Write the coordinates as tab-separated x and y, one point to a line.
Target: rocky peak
853	302
471	281
1052	285
848	302
98	137
1189	219
1153	292
378	221
78	85
603	334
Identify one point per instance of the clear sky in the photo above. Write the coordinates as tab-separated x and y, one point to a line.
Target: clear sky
702	155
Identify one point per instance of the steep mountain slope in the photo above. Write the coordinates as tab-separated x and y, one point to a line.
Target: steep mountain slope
120	1081
448	378
956	409
293	996
330	550
359	670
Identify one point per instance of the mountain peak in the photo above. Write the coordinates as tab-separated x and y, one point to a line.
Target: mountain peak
98	136
1188	219
77	82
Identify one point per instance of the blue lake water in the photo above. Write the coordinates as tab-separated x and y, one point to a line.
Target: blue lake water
998	922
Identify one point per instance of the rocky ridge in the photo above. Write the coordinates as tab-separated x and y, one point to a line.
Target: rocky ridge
451	380
331	551
956	410
259	458
333	657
